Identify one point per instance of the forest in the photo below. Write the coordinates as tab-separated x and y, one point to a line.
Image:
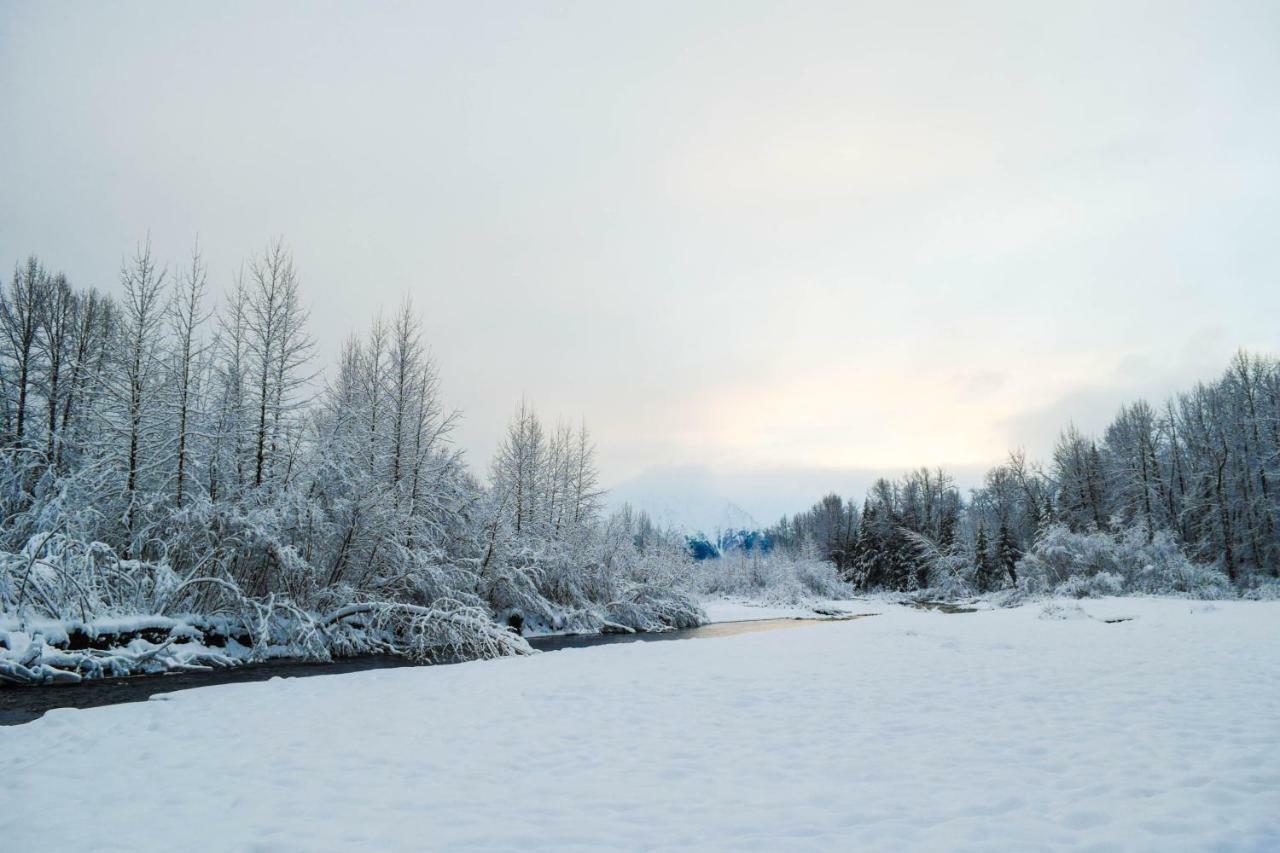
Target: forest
184	487
1176	499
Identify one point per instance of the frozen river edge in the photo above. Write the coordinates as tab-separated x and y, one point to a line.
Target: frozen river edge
1052	726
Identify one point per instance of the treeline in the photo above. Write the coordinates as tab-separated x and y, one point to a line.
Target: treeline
1193	480
161	457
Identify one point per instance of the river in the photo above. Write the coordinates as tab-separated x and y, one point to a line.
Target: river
24	704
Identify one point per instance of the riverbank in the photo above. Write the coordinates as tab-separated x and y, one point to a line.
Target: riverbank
23	704
1043	727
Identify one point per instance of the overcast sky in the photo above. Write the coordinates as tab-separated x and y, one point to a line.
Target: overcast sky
764	249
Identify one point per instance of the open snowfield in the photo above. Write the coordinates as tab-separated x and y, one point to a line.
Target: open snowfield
998	730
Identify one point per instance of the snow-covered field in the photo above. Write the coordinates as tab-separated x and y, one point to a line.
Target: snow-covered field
998	730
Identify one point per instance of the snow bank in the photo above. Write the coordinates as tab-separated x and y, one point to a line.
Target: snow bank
997	730
731	610
49	651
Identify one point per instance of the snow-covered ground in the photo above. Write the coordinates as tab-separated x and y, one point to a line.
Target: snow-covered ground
724	610
998	730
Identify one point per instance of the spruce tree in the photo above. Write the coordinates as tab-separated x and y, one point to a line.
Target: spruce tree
863	571
984	574
853	570
1007	554
947	530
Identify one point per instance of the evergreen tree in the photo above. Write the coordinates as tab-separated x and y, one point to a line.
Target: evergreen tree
947	529
1007	554
984	573
910	572
867	569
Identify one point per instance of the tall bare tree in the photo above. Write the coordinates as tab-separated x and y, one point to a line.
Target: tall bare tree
187	315
21	309
138	362
277	347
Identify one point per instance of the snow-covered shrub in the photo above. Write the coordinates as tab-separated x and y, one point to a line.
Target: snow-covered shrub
1158	566
774	578
950	573
447	630
651	607
1101	585
1060	554
511	586
593	576
1097	563
644	580
1268	590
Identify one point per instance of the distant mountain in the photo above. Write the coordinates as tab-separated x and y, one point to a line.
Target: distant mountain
683	498
696	498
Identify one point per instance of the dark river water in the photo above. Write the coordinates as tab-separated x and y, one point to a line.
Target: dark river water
24	704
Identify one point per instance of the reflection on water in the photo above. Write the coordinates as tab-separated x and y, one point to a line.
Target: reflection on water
719	629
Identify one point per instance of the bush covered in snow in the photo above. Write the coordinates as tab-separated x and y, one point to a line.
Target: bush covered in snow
1101	585
611	576
774	578
1074	564
1092	564
1265	591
